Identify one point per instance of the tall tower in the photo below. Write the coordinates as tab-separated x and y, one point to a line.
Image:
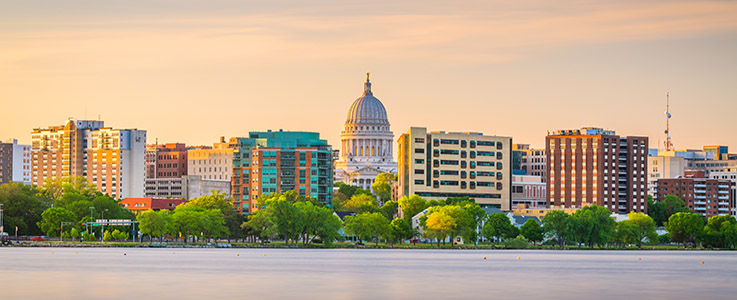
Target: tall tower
668	143
366	142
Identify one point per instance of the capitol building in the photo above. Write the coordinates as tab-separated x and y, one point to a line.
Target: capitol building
366	142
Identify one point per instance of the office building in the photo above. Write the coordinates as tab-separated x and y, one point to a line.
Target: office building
279	161
707	197
187	187
532	160
113	160
663	167
719	152
438	165
595	166
166	161
212	163
15	162
729	174
528	191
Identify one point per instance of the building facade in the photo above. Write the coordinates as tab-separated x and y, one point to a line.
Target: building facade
528	191
279	161
215	163
595	166
729	174
143	204
166	161
438	165
663	167
187	187
113	160
15	162
707	197
366	142
532	161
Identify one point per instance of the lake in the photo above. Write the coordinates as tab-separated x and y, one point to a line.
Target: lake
106	273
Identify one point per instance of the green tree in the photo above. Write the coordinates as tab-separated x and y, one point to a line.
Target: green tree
685	228
718	230
52	218
286	218
645	227
498	227
258	226
411	206
107	236
367	226
555	225
592	225
382	186
661	211
532	231
55	187
389	209
22	207
361	203
221	201
626	233
155	223
401	230
74	234
318	221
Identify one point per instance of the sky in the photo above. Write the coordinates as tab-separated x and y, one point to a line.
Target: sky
192	71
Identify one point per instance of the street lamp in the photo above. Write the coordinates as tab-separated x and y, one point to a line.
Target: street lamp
2	227
89	224
102	224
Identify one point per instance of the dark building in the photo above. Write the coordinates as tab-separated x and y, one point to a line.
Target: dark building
166	161
595	166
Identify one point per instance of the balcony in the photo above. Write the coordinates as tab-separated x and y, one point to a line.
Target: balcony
700	185
700	208
700	191
724	203
699	197
723	209
724	192
723	197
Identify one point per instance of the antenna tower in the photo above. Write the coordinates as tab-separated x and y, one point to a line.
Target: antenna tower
668	143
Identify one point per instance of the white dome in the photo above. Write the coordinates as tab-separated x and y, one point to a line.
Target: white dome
367	109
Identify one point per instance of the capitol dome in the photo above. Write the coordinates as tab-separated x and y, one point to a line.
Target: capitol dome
367	109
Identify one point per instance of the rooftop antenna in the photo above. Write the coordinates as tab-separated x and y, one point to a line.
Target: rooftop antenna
668	143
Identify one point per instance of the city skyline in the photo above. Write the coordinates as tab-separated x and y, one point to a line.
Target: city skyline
233	68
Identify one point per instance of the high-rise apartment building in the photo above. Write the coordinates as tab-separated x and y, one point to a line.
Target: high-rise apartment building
729	174
438	165
660	167
212	163
532	161
15	162
166	161
595	166
113	160
707	197
272	162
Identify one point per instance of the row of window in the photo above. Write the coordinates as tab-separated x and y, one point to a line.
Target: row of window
462	184
463	143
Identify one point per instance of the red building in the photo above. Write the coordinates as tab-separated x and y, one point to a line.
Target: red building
707	197
138	205
166	161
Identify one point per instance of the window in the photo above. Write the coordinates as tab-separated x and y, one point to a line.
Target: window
419	150
449	152
472	175
435	184
436	142
485	153
419	182
448	172
419	161
435	173
498	155
484	183
449	182
436	163
485	143
463	184
449	162
435	153
419	140
419	171
463	154
463	164
463	174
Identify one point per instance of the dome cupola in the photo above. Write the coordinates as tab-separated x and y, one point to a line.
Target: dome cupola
367	109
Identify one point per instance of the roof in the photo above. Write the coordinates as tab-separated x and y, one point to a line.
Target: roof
343	214
367	109
143	204
522	220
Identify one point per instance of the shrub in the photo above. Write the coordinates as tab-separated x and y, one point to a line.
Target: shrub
520	242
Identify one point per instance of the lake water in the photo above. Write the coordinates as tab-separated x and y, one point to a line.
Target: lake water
106	273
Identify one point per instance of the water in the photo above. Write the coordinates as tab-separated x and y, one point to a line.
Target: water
106	273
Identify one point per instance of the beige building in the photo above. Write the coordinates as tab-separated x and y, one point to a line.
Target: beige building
111	159
663	167
540	212
187	187
438	165
214	163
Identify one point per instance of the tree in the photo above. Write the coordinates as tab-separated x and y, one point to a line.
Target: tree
361	203
411	206
389	209
661	211
532	231
401	230
107	236
55	187
286	218
259	226
718	230
555	225
626	233
382	186
221	201
155	223
438	225
74	234
684	227
592	225
644	227
367	226
22	207
318	221
498	227
52	218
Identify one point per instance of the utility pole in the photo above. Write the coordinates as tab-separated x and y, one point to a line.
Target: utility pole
2	226
89	224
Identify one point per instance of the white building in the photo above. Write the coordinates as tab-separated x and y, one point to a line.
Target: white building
663	167
366	142
214	163
20	162
529	191
731	175
186	187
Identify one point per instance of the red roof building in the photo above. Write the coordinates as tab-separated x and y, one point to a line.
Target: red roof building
138	205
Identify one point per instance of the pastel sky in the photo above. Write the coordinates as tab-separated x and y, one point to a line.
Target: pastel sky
191	71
